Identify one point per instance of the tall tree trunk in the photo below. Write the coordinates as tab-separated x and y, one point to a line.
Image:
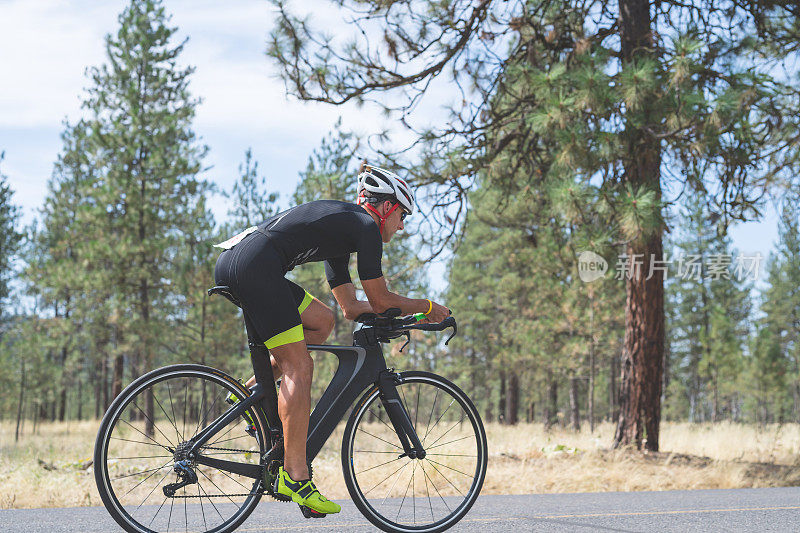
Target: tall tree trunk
715	401
574	405
116	384
21	398
501	402
613	393
512	404
551	403
591	361
473	378
80	399
98	376
62	409
643	354
488	414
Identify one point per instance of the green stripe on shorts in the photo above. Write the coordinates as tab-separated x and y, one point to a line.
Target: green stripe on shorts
294	334
305	303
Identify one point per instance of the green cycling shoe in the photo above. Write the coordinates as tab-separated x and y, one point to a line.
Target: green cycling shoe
305	494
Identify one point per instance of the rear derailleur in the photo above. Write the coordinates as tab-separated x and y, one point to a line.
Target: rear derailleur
186	476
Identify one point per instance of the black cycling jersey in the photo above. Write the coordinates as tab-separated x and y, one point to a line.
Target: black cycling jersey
254	262
327	230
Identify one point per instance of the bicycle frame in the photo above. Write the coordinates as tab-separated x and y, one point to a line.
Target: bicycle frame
360	366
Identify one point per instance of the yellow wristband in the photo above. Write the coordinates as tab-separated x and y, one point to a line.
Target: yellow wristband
430	308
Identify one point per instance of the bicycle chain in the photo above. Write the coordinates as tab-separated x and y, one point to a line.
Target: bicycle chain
229	495
227	449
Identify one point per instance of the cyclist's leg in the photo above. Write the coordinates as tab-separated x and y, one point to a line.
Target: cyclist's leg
317	320
294	404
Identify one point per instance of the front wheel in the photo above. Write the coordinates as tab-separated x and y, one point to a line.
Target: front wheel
400	494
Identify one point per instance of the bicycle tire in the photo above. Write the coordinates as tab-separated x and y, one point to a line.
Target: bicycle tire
476	440
113	418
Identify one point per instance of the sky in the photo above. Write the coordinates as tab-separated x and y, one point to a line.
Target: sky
46	46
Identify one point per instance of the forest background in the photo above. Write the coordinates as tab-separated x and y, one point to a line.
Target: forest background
109	279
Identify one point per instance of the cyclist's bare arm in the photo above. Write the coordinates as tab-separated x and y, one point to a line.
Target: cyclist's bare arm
352	307
381	299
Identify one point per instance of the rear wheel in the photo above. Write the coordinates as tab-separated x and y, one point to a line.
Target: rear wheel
399	494
146	480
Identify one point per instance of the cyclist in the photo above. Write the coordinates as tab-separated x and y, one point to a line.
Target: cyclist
286	316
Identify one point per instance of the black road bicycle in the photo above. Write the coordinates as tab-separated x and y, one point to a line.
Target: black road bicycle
413	450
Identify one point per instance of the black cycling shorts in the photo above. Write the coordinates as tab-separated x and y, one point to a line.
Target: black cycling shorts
253	271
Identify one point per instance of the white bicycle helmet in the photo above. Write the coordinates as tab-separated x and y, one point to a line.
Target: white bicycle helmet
377	181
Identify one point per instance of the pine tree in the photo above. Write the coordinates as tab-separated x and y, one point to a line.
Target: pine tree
781	299
252	201
143	162
10	238
611	103
708	319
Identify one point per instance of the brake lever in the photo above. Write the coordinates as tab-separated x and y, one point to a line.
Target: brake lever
452	323
408	339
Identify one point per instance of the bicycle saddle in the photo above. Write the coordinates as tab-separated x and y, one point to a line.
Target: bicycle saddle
226	292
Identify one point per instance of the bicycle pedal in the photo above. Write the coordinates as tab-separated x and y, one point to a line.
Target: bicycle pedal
277	495
311	513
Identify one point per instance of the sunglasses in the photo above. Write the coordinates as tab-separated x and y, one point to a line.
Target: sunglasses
403	212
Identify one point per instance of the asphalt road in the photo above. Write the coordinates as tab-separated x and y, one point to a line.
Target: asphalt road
776	509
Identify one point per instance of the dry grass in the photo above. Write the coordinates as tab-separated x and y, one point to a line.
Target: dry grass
51	469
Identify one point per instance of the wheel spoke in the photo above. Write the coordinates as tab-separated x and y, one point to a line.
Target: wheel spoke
160	481
384	479
437	491
133	471
139	457
172	407
233	425
144	435
217	486
452	421
210	500
393	484
158	511
177	435
152	422
445	478
446	443
433	409
411	481
154	443
381	421
386	441
427	492
441	415
450	467
202	509
201	419
143	471
448	431
378	466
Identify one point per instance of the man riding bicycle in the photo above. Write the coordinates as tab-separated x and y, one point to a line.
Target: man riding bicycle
286	317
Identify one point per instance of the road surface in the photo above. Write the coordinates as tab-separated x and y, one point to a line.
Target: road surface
774	509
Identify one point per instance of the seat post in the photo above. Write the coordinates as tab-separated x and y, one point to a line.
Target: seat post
262	368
